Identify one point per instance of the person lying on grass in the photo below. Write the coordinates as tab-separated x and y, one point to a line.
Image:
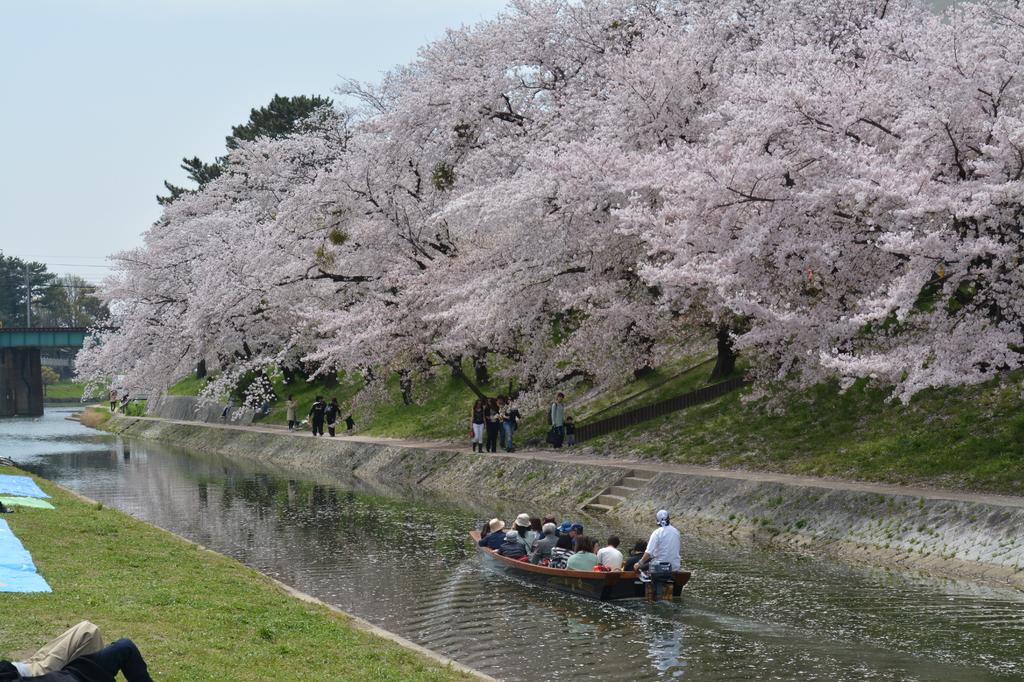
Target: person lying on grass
78	655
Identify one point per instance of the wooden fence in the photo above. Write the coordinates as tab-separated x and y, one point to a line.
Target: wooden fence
658	409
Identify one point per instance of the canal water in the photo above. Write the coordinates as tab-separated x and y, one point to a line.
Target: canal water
402	560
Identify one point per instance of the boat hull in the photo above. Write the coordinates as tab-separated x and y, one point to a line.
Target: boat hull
603	586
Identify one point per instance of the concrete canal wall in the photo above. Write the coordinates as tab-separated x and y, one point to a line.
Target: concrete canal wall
979	538
190	408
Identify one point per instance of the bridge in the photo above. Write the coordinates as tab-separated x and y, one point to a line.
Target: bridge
21	378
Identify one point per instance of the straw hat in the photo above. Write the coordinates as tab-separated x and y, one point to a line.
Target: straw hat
523	520
495	525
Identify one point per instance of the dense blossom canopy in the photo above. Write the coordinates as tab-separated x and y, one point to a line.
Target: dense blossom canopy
573	183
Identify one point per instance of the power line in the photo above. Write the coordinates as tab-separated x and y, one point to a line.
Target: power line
37	255
80	265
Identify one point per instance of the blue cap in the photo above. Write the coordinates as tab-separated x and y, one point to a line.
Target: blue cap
565	527
576	527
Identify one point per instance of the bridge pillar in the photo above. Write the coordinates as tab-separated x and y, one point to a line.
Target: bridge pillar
21	382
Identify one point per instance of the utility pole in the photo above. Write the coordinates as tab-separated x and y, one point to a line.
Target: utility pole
28	298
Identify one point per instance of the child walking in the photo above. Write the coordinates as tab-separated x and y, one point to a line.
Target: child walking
570	432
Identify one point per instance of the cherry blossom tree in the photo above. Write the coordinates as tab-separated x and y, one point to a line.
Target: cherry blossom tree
834	188
858	200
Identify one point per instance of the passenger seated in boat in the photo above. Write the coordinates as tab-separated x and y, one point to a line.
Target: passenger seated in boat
494	538
513	546
610	556
536	532
542	548
635	555
524	530
565	528
576	532
584	559
561	552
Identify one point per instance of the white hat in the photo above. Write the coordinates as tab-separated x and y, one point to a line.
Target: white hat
523	521
495	525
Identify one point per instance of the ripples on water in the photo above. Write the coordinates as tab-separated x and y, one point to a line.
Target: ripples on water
406	564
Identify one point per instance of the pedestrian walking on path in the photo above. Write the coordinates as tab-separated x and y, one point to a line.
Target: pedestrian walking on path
292	410
477	424
331	415
557	417
493	425
316	415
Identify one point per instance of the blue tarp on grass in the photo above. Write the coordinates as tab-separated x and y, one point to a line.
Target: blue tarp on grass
20	486
17	572
34	502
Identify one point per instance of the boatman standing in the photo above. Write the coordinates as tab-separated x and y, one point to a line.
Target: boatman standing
663	545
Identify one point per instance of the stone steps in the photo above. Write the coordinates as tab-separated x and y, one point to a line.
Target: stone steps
616	494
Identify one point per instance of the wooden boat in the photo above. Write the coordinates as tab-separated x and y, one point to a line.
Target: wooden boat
602	585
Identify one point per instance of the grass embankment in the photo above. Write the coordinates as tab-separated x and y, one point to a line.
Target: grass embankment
64	391
94	416
969	437
195	615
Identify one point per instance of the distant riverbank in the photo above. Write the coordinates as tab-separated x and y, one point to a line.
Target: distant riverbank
945	532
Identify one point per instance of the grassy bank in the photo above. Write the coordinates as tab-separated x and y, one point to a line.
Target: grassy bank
965	438
94	416
64	391
195	615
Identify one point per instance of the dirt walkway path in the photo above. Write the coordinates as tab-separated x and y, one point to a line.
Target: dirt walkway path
579	457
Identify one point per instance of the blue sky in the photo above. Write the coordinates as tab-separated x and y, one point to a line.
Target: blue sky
101	99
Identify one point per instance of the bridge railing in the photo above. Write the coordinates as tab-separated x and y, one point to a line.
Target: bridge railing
42	337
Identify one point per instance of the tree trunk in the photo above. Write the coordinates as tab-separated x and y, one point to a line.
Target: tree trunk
457	372
405	384
331	379
201	369
725	365
456	366
480	369
641	372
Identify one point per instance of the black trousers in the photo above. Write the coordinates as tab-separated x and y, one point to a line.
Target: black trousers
492	436
318	427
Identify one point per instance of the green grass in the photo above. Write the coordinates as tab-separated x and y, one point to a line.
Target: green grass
194	615
443	410
64	390
961	438
190	385
305	393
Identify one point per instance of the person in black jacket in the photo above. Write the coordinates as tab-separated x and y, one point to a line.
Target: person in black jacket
103	666
316	415
635	555
331	414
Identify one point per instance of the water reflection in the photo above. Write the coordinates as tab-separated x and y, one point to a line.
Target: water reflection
401	559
